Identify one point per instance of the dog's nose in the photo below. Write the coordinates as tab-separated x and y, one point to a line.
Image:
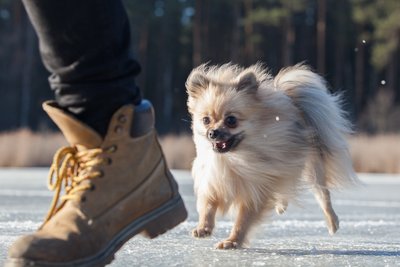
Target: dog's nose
213	134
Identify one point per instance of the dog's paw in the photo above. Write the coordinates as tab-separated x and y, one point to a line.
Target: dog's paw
281	206
227	244
333	223
201	232
280	209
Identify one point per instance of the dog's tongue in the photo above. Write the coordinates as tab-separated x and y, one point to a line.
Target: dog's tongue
220	145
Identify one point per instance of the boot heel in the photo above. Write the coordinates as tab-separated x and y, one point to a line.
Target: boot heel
166	220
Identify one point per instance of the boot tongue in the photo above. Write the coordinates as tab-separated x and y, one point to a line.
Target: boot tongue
76	132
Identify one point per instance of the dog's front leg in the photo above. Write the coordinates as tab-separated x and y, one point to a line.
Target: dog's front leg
207	210
244	220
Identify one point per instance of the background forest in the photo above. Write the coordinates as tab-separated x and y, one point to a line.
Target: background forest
353	43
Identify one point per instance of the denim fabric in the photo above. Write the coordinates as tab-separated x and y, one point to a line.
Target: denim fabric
85	44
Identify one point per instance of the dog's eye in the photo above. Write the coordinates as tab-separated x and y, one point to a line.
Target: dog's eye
231	121
206	120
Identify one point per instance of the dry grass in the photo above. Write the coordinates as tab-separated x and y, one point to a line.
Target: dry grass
179	151
23	148
378	154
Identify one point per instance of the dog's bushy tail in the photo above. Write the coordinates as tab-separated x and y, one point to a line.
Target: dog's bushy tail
322	112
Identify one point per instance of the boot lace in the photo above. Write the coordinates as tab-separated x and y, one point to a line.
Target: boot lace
69	169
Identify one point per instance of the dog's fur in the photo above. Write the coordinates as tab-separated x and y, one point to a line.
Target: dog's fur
285	130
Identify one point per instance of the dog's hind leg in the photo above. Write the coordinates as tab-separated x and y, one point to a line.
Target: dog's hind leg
322	194
323	197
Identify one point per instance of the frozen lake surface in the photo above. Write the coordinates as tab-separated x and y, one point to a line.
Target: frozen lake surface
369	233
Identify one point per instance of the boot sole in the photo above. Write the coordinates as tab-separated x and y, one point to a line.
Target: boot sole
152	224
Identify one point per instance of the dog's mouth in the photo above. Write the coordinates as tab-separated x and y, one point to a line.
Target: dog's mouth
223	146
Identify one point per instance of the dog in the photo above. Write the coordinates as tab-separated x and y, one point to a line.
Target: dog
259	139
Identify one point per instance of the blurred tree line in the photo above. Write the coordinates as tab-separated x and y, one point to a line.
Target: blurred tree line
353	43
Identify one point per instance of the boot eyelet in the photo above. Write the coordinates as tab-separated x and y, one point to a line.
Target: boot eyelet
112	148
101	174
122	118
118	129
83	199
92	187
109	161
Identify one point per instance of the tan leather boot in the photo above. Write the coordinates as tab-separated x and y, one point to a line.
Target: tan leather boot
114	188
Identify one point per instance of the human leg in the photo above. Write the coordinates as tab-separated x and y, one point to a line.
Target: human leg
87	48
114	174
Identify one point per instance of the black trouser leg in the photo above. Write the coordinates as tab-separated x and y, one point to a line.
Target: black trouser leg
85	44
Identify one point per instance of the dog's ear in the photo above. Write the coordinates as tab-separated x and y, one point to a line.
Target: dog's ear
196	83
248	82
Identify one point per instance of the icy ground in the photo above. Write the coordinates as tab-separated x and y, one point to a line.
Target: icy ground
369	233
